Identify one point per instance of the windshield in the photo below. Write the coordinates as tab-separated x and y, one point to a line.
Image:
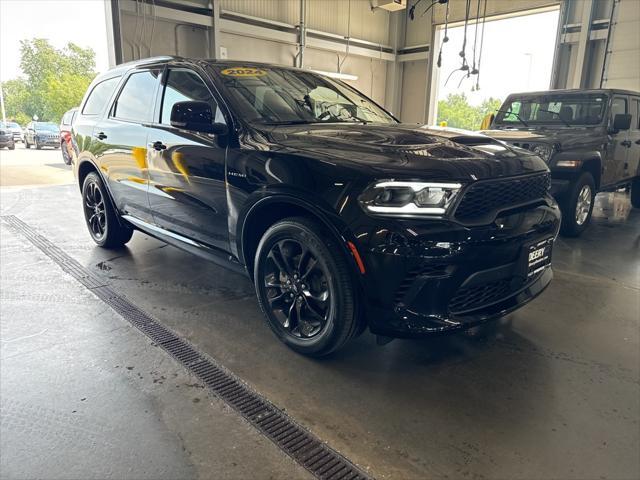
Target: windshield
283	96
9	125
553	110
50	127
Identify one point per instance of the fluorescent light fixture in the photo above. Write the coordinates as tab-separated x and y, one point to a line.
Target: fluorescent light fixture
339	76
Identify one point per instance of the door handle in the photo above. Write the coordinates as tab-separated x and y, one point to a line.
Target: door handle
638	142
626	143
159	146
100	136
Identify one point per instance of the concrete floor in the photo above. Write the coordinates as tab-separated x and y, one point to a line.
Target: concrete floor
552	391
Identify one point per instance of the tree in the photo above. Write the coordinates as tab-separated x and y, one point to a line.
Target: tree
55	80
456	111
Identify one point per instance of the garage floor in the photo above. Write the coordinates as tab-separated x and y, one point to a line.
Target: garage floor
551	391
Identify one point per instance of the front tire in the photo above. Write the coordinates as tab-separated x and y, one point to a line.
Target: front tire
100	217
12	146
304	287
27	144
37	145
635	193
577	207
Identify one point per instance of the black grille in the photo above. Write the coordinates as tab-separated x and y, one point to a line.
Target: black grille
486	197
471	298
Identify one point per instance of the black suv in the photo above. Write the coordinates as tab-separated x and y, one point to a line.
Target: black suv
589	138
343	217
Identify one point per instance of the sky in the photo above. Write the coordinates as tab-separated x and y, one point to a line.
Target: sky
60	21
527	42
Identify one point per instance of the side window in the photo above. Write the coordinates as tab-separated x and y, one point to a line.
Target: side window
99	96
182	86
635	114
135	101
618	105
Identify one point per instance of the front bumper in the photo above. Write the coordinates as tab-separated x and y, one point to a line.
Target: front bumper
431	276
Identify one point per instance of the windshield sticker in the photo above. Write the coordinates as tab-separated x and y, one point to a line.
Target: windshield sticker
243	72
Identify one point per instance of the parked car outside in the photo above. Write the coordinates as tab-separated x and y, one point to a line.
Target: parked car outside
6	138
66	144
589	138
42	134
15	129
343	217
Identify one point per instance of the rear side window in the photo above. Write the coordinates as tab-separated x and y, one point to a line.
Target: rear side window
182	86
135	101
99	96
635	114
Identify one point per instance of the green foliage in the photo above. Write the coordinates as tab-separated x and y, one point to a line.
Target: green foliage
456	111
55	80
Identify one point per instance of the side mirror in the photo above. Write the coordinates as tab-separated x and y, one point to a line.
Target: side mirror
197	117
622	121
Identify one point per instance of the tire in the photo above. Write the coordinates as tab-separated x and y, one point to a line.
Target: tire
635	192
581	196
65	154
37	145
322	284
12	146
27	144
100	217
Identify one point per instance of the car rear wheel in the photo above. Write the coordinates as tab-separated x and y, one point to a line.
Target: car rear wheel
27	144
101	218
304	287
577	207
66	158
635	192
12	146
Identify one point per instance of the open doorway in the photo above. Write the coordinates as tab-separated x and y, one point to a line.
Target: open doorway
516	56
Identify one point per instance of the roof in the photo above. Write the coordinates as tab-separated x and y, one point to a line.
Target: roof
583	91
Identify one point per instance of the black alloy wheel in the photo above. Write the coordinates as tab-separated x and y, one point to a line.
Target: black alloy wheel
305	288
102	222
298	291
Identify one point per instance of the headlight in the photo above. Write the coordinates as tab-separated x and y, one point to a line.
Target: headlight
422	198
543	150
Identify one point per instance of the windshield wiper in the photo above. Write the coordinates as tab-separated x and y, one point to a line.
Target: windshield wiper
290	122
557	115
509	112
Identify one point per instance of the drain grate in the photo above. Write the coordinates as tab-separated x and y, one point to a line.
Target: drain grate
300	444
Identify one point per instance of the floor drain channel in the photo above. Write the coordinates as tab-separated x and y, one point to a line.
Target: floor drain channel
306	449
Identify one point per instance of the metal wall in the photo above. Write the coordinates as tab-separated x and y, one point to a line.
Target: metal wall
390	55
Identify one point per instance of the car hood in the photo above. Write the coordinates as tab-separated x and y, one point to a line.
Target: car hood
406	150
565	138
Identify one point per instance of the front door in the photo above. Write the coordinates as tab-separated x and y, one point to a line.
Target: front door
187	191
617	149
633	157
123	139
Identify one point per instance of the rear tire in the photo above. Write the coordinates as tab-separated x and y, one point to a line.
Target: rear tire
12	146
26	144
577	207
66	158
304	287
101	219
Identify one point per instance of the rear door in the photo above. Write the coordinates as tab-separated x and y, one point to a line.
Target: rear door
633	157
187	191
617	150
122	137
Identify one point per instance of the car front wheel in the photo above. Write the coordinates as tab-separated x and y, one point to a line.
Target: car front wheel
304	287
577	207
27	144
101	218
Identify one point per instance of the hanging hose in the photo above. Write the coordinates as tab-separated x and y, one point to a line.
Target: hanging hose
484	20
340	63
446	36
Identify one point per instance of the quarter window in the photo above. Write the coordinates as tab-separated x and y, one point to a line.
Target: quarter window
183	86
635	114
99	96
136	97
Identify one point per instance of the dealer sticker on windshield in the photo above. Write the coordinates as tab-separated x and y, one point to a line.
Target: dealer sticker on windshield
243	72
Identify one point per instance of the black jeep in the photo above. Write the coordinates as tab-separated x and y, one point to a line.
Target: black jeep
589	138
